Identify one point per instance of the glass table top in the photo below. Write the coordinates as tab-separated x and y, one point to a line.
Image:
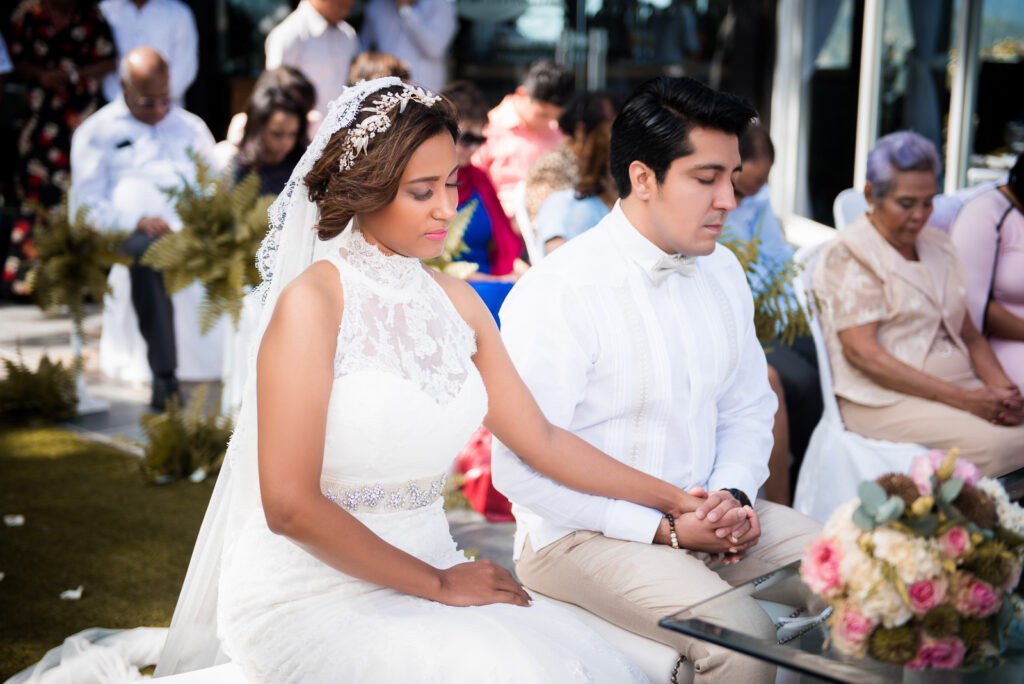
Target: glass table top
800	644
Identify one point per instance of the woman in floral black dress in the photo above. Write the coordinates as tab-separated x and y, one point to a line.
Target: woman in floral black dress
62	49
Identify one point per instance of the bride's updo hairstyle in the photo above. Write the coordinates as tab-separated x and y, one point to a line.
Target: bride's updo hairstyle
343	185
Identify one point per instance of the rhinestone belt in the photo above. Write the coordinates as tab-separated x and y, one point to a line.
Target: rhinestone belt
384	497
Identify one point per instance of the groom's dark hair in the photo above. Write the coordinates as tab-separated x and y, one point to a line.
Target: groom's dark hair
654	124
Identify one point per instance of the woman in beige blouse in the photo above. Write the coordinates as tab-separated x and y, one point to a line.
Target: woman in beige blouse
908	364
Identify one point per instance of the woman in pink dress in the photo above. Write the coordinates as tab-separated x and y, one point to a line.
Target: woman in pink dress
989	235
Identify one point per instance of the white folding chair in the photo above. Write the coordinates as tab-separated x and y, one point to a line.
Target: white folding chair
534	249
849	204
837	460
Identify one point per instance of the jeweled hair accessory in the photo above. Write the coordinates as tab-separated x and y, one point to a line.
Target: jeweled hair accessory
358	137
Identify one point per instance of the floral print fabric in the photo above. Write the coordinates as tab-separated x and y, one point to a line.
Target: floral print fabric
44	144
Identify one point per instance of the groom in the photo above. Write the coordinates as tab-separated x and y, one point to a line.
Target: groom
638	336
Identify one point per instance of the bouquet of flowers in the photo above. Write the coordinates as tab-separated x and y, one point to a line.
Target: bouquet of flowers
924	570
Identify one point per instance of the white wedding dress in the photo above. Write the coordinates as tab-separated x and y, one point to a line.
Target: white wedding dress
406	397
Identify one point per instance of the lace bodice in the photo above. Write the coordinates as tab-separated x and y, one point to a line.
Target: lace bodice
398	319
406	393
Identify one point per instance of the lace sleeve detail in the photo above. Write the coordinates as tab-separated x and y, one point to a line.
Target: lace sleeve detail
848	292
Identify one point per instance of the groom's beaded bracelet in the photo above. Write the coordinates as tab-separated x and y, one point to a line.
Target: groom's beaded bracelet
672	530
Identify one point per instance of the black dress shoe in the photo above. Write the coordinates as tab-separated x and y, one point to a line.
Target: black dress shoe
164	388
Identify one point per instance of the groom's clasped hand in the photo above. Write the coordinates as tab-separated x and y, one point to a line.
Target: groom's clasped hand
713	522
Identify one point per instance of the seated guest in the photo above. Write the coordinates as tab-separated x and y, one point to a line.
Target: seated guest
908	364
274	138
523	127
122	157
792	368
568	213
493	245
297	87
989	236
371	64
558	169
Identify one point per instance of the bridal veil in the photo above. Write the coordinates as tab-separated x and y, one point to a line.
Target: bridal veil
289	248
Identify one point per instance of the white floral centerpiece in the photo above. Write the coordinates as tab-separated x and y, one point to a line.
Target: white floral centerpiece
924	570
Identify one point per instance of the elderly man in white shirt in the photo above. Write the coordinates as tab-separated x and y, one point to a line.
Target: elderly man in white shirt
121	159
316	40
167	26
638	336
416	31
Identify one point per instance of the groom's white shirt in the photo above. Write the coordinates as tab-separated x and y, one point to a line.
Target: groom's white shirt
668	378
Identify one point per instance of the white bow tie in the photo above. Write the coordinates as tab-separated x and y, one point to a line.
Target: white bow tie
671	263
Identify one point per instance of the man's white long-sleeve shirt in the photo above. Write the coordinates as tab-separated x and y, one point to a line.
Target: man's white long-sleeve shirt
668	378
322	51
167	26
419	34
119	164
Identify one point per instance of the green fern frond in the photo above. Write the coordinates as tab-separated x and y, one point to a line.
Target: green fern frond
182	441
453	244
46	395
222	227
72	261
777	313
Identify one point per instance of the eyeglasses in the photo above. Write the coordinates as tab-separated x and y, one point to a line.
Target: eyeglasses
472	139
152	102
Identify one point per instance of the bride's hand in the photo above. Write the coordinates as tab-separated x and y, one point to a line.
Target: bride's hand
478	583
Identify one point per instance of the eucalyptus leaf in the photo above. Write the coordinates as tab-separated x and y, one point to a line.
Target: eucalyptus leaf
892	509
926	526
950	489
872	496
863	519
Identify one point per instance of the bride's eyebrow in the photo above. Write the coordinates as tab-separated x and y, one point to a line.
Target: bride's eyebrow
425	179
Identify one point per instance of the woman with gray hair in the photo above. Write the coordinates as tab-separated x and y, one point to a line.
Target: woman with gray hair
908	364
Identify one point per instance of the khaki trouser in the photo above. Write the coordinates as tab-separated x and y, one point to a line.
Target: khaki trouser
995	449
633	585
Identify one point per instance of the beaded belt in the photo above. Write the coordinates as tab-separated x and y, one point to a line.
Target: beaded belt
384	498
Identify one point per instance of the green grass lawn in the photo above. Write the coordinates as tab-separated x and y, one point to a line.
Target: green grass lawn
91	520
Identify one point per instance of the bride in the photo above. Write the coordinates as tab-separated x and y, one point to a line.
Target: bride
325	554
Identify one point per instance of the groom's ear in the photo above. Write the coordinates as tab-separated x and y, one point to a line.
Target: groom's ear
643	182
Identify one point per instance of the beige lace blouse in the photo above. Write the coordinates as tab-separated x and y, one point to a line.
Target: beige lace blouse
919	305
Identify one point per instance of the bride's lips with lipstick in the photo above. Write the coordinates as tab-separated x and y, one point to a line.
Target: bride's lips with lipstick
437	235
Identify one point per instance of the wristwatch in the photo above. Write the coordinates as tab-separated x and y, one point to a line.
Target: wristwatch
739	495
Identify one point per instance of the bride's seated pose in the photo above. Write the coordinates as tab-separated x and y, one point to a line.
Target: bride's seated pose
325	554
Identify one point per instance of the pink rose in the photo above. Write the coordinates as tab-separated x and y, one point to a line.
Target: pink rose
851	628
923	468
820	567
943	653
927	594
973	597
955	542
967	471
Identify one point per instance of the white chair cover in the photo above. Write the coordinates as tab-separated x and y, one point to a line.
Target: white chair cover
849	204
836	460
123	351
534	249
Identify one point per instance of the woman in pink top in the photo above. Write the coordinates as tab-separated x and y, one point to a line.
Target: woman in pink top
523	127
989	234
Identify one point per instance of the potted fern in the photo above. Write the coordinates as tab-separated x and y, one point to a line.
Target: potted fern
71	266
